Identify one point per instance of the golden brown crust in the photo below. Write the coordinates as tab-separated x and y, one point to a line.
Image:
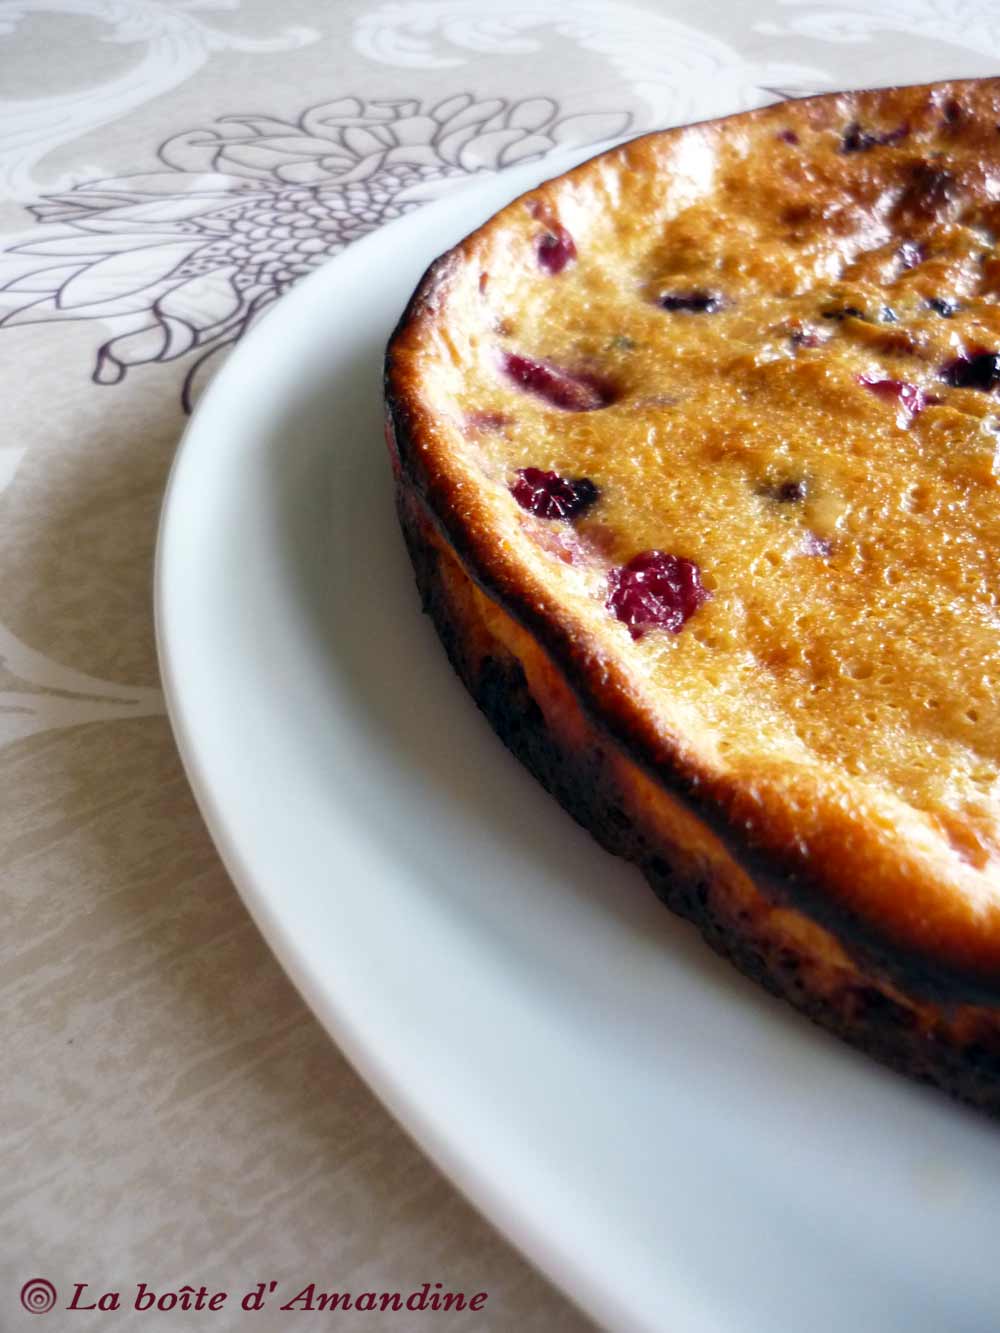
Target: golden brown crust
903	936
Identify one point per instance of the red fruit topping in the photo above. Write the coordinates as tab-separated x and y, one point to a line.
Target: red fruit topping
698	302
655	589
550	496
978	369
910	399
556	249
573	393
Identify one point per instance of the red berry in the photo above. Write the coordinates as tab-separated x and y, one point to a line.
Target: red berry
556	249
911	399
571	392
655	589
550	496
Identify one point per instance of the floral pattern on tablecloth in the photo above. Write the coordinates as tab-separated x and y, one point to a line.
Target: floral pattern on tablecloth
178	261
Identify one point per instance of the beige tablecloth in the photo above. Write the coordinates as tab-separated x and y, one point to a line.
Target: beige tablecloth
172	1114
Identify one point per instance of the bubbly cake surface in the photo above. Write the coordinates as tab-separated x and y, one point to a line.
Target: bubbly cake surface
719	411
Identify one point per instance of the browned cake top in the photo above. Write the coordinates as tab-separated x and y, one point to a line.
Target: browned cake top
719	412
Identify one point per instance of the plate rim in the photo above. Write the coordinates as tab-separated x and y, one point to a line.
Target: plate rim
532	1242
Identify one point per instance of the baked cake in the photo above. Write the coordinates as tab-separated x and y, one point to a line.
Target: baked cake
697	452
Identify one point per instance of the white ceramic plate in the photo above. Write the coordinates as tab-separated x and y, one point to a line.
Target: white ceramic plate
676	1149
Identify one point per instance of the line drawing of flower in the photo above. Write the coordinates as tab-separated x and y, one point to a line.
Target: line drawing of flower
180	260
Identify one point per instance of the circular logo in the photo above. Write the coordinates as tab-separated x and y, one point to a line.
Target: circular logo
38	1296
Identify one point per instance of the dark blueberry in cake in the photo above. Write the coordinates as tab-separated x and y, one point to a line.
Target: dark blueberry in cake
887	315
698	302
572	393
788	136
857	140
556	249
548	495
978	369
911	253
843	312
789	492
655	589
943	307
911	399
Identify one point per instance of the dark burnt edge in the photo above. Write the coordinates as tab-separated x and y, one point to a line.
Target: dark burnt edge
777	872
857	1009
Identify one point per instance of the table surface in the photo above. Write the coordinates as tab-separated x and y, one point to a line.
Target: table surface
171	1112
